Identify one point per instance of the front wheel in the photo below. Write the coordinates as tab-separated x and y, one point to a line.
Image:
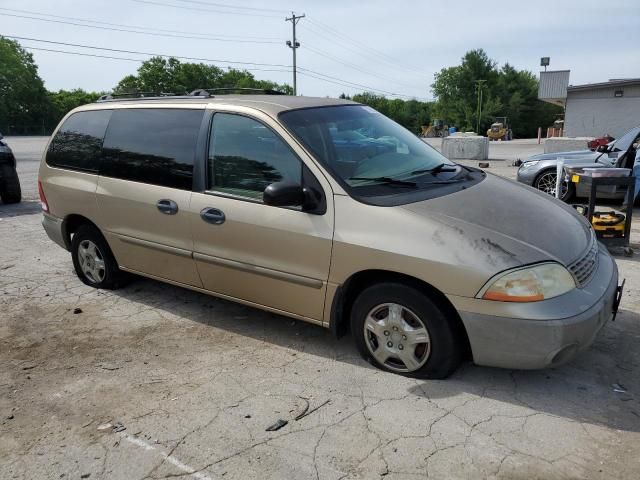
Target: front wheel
546	182
399	329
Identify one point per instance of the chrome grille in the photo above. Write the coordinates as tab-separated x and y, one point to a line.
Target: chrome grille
584	268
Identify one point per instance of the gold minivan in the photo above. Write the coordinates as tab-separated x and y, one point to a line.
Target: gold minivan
326	211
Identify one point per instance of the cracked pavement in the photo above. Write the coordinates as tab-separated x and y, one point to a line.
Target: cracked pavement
196	381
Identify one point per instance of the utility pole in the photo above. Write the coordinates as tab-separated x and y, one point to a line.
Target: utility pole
479	87
294	45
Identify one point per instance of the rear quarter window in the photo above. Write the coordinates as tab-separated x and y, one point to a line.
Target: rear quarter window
77	144
152	145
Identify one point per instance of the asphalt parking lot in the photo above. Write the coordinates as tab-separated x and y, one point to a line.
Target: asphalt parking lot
153	381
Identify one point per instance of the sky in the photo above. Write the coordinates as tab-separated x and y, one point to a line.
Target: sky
389	47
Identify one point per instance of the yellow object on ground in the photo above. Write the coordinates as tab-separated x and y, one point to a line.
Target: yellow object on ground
608	224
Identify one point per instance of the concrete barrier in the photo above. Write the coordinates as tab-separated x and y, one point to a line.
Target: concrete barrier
465	147
565	144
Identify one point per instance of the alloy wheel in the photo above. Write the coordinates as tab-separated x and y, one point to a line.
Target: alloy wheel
547	184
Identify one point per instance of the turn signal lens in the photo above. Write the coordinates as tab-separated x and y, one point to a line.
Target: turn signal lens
530	284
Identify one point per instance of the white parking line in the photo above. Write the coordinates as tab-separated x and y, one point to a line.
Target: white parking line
169	458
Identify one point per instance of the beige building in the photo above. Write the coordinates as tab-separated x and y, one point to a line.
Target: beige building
594	109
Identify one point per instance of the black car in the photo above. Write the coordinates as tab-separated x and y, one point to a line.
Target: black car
9	183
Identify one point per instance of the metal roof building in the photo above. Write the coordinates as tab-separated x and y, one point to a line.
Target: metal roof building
594	109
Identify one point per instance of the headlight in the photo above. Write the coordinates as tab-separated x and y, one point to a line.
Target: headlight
529	163
529	284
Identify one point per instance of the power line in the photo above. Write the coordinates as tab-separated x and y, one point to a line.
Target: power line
342	45
139	32
28	47
359	51
343	84
147	53
308	73
361	45
87	20
198	9
347	83
239	7
355	67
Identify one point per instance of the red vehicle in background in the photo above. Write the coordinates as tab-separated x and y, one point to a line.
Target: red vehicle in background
596	142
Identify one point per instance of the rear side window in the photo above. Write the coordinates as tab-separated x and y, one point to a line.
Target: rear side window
152	145
78	142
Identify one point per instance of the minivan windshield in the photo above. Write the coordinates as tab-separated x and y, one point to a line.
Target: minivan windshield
363	148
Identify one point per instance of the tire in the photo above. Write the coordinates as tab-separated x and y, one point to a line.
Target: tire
545	182
385	315
93	260
10	191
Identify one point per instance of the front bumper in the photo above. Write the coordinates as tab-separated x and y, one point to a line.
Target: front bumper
53	226
540	334
527	175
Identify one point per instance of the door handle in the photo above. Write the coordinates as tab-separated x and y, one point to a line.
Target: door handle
212	215
168	207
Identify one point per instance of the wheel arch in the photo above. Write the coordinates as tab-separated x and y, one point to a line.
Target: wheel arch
542	171
347	292
71	224
571	188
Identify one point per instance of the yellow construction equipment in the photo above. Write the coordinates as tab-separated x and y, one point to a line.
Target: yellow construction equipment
500	130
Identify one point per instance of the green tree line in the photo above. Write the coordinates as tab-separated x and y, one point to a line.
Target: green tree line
506	91
26	107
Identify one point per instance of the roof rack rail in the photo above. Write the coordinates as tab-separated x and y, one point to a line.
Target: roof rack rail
208	92
114	96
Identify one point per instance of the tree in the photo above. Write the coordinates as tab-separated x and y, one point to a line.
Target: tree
456	89
172	76
23	97
63	101
506	92
411	114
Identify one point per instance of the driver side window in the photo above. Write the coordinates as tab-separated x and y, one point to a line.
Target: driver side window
245	156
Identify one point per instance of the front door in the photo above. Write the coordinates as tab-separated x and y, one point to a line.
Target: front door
270	256
144	190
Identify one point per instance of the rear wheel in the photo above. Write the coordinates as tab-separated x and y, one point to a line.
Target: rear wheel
9	185
399	329
93	261
546	182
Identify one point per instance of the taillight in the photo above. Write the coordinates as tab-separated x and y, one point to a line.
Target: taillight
43	199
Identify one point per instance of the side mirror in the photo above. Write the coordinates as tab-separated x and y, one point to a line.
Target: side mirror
284	194
602	148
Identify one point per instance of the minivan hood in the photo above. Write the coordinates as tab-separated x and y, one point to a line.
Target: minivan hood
512	222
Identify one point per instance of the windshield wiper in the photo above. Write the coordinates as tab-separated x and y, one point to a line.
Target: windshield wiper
443	167
387	181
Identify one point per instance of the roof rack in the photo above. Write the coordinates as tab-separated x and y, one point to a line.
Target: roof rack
200	92
208	92
125	95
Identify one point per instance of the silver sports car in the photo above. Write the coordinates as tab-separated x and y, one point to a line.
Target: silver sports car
539	170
